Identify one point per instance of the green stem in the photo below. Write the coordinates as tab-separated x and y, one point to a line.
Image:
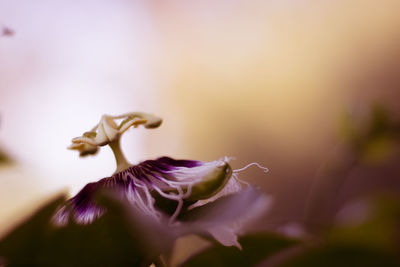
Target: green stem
120	159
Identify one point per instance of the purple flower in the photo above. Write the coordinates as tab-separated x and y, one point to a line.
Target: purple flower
164	189
176	180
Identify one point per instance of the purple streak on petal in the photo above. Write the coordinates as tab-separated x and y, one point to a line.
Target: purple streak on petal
136	171
180	163
153	166
166	164
148	172
80	199
82	207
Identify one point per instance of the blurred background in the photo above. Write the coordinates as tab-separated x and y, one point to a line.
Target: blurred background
281	83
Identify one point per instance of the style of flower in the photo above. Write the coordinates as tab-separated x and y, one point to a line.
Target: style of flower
159	189
108	132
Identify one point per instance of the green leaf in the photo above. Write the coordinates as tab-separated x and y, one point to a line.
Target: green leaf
371	242
377	231
255	248
343	255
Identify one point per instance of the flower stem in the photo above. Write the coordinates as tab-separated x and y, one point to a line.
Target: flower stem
120	159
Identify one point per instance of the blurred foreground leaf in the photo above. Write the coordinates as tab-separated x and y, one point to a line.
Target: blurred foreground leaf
379	230
24	243
336	255
371	242
256	248
113	240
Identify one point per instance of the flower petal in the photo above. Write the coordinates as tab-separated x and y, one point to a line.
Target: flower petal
174	180
230	208
225	235
225	217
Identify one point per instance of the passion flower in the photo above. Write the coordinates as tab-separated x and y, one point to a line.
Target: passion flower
160	188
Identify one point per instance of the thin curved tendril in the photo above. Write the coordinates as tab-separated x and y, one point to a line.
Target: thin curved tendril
250	164
235	172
